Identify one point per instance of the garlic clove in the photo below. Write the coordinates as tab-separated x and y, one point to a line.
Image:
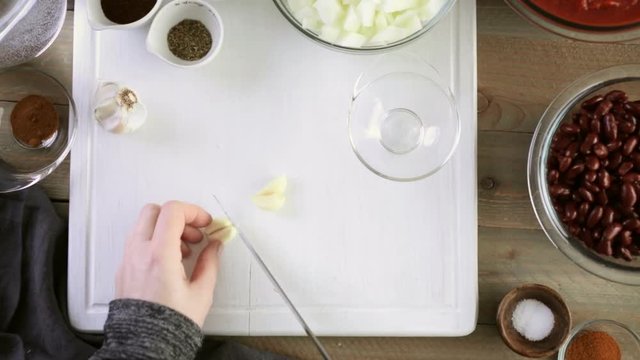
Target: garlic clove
217	225
224	235
275	186
270	202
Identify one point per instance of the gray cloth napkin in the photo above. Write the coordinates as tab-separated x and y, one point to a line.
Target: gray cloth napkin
33	271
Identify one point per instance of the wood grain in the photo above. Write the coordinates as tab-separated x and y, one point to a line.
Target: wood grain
521	68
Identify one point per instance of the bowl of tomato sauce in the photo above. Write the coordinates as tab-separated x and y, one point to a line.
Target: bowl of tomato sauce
586	20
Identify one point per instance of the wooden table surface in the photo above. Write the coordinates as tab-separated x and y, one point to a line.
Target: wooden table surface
520	69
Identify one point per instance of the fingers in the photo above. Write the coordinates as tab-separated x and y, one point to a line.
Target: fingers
172	221
205	271
191	234
146	222
185	250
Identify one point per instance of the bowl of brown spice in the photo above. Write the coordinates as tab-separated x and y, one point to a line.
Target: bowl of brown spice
601	340
186	33
37	126
121	14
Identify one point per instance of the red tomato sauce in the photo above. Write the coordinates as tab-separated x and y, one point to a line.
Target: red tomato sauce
602	13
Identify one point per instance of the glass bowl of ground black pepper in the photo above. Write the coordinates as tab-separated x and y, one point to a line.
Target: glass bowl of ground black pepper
601	340
584	173
186	33
37	127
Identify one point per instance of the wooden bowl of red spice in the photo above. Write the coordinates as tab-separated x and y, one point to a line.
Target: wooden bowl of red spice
533	320
601	340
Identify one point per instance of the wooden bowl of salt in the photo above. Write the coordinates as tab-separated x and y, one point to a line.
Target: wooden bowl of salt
533	320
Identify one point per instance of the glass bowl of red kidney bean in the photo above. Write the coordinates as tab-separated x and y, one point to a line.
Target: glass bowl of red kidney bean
584	173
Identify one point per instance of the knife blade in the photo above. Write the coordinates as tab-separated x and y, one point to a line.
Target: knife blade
276	284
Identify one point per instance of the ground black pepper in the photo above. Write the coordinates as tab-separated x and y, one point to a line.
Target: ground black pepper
189	40
126	11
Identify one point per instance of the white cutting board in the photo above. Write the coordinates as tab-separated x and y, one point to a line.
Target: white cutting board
360	255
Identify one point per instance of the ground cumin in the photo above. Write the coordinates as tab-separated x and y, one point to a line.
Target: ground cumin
34	121
593	345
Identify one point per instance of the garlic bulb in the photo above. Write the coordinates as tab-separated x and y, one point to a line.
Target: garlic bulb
118	108
221	230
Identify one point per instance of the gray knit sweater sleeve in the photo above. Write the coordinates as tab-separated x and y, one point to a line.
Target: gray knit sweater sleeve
137	329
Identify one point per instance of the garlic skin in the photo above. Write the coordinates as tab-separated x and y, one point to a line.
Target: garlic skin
118	108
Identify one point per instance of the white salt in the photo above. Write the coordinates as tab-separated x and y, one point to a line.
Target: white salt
533	319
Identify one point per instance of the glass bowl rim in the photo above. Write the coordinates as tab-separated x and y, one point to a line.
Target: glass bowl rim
27	179
282	7
359	88
582	326
553	116
574	31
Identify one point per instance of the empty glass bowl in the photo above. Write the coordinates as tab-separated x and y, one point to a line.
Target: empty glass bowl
403	120
625	78
20	166
443	7
628	341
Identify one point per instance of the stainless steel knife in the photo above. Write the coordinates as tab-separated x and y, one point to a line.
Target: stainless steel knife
263	265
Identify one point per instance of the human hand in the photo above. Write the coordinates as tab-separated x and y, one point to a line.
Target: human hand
152	268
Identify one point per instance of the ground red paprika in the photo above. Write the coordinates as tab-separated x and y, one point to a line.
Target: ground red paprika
593	345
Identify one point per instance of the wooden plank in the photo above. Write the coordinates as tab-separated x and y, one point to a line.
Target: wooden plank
62	209
483	344
70	5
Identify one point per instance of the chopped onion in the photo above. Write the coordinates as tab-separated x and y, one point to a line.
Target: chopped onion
358	23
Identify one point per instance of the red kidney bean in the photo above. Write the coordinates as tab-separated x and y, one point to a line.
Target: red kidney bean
635	157
602	109
590	176
583	211
630	145
631	177
570	211
631	224
626	254
592	162
591	187
584	122
595	126
633	107
587	238
586	195
590	140
565	163
553	176
602	198
572	150
634	249
610	127
611	231
569	129
615	160
574	229
604	179
576	170
600	150
624	168
592	102
607	216
616	96
605	248
612	146
628	195
626	127
596	233
594	216
626	238
559	190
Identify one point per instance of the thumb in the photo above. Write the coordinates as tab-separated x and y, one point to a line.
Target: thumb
205	272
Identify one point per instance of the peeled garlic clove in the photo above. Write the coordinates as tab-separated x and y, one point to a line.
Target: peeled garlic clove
217	225
275	186
272	202
118	109
224	235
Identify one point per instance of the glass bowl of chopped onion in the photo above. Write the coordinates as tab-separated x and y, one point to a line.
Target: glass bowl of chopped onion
363	26
601	339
